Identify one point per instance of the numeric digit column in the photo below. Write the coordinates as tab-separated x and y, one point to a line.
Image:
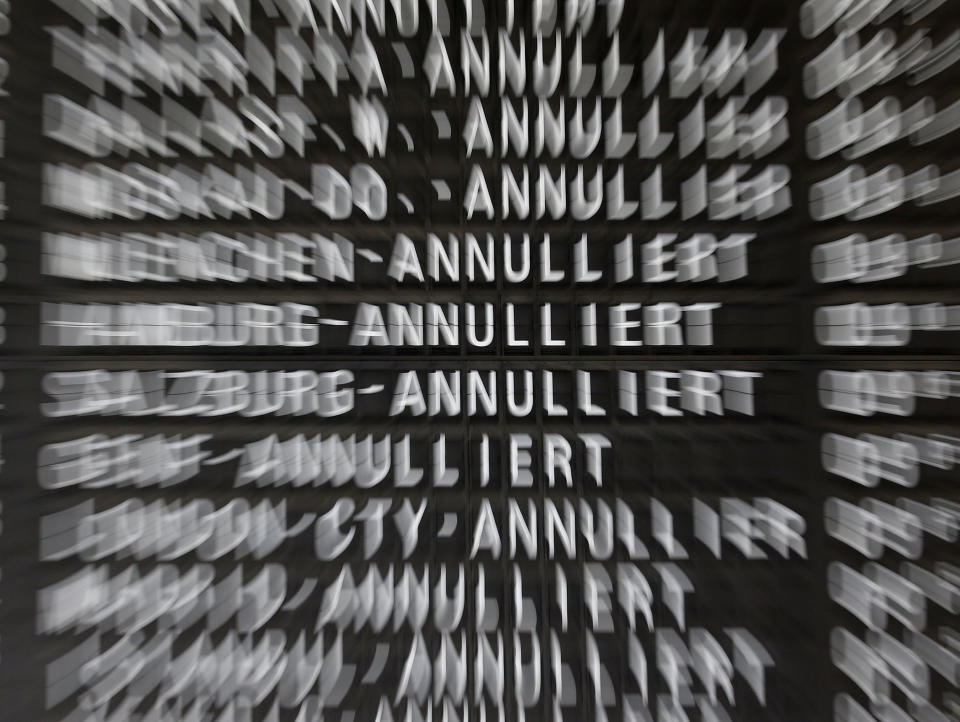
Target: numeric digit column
881	129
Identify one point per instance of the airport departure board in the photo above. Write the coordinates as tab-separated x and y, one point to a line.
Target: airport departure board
479	360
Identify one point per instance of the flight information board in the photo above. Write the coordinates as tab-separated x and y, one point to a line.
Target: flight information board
498	360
